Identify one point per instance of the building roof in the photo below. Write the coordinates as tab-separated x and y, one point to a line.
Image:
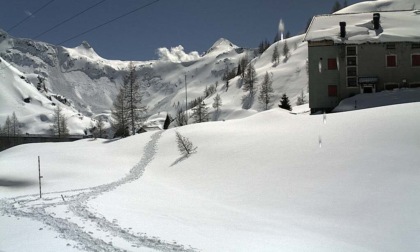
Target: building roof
395	26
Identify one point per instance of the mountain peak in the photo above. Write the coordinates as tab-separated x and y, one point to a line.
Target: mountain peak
87	50
222	44
85	45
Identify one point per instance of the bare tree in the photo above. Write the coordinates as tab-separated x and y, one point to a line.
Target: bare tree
127	107
266	90
181	117
133	98
7	128
301	99
119	115
185	146
59	126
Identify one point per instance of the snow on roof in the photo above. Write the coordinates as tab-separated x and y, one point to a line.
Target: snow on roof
396	26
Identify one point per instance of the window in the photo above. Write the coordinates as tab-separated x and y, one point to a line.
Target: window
351	82
391	61
351	51
332	64
415	45
415	60
351	61
332	90
351	71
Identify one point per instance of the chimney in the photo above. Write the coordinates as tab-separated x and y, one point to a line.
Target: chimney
376	17
342	29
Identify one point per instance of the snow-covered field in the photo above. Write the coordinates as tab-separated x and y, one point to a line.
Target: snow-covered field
259	181
274	181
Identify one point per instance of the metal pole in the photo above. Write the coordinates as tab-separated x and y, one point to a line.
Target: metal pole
186	103
39	173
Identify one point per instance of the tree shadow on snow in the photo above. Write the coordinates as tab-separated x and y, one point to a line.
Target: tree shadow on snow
247	101
15	183
179	160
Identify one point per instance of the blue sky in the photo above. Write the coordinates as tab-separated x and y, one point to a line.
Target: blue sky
194	24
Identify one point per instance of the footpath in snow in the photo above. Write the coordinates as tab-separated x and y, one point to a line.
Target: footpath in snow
66	213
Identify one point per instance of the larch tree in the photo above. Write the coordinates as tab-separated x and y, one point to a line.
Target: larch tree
200	113
243	63
275	57
15	131
185	146
286	50
59	126
127	108
336	7
119	115
266	90
7	128
133	98
250	80
217	102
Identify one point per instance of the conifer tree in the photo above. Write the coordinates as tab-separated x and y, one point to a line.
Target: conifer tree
119	115
244	63
250	79
266	91
301	99
181	117
59	126
133	98
285	103
217	102
185	146
200	113
7	128
239	72
286	50
15	131
275	58
127	107
336	7
226	77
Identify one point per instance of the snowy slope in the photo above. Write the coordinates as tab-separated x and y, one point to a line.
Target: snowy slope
308	183
35	115
90	82
381	5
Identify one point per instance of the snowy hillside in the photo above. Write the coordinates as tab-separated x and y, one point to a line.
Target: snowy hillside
381	5
323	183
33	110
89	82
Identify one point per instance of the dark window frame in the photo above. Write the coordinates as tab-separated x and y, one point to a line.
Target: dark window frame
351	80
415	62
391	64
332	64
352	59
415	45
350	51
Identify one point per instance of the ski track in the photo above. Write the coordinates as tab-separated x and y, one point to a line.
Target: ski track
30	206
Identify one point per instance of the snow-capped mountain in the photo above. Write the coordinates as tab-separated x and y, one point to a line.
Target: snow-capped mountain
89	82
381	5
